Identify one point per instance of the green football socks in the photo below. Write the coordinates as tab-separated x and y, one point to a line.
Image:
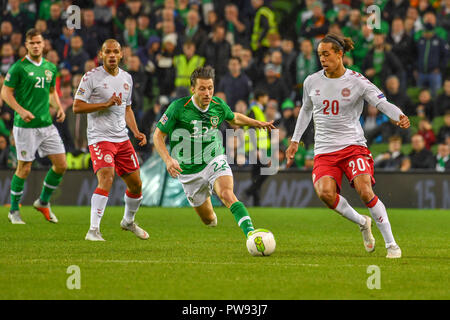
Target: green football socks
16	192
51	182
242	217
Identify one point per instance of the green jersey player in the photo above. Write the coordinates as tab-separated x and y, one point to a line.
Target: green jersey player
29	89
197	155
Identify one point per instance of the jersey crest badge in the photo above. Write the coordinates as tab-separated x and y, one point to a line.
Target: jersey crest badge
108	158
48	75
126	86
345	92
214	121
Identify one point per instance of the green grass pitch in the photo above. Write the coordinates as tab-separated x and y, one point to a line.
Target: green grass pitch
319	255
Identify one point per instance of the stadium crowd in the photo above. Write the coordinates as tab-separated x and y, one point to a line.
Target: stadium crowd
262	52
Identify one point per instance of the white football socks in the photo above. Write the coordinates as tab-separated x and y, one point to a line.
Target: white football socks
98	205
132	203
345	210
378	212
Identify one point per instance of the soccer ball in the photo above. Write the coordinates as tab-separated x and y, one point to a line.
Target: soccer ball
261	242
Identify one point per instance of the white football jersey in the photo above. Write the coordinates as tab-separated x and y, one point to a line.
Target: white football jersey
336	105
97	86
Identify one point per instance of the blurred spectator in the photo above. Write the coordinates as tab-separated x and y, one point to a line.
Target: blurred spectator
217	51
4	152
62	44
264	24
55	23
249	65
289	62
372	120
420	157
103	14
143	29
194	32
353	26
273	84
184	65
395	8
41	26
19	18
444	131
316	26
130	37
236	50
426	131
363	46
166	70
7	58
93	35
306	63
16	41
338	13
443	100
6	31
403	47
149	121
413	22
288	121
380	62
393	159
443	158
398	97
303	15
425	107
431	60
237	29
130	8
139	85
272	114
77	56
444	15
235	84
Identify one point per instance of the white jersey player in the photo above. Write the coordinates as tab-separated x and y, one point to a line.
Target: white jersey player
105	94
334	98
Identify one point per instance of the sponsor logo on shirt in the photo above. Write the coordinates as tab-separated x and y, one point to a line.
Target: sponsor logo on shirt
31	73
380	96
81	92
164	119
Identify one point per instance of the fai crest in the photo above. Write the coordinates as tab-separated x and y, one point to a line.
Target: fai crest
214	121
48	75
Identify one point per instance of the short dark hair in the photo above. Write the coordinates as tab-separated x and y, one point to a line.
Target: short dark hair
260	93
202	73
32	33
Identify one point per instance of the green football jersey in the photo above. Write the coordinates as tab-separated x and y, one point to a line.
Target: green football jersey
32	83
193	133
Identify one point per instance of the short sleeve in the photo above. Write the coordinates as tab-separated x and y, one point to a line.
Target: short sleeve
229	115
12	78
168	119
371	93
84	90
130	94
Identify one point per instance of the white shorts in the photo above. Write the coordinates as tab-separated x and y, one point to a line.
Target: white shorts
44	140
199	186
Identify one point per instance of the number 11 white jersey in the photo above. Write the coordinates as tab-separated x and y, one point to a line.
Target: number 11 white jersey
337	104
98	86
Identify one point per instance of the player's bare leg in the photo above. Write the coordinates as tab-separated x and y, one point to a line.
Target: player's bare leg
223	186
326	190
17	183
363	185
51	182
206	212
105	177
133	199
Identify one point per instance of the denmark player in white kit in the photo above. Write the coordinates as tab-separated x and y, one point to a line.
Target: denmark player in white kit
104	94
334	97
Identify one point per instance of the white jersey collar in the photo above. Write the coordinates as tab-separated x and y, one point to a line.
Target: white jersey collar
34	62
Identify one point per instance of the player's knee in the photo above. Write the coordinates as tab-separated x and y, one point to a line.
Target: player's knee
365	193
60	168
23	171
327	196
227	196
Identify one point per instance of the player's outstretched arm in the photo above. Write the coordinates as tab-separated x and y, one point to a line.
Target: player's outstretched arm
131	123
80	106
242	120
173	167
8	96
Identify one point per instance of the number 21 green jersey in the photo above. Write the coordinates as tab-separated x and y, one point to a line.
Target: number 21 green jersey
32	83
193	133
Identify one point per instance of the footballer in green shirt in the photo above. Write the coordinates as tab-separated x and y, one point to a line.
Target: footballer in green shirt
29	89
197	155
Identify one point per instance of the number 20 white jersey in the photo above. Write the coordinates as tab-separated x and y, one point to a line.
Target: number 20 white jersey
97	86
337	104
